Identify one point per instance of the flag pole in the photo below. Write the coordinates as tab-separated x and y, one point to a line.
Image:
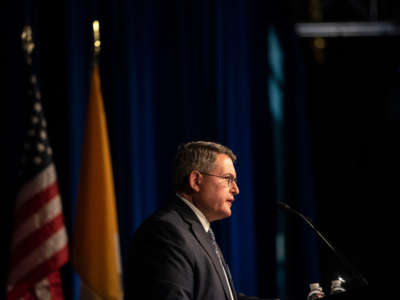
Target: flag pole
27	43
96	37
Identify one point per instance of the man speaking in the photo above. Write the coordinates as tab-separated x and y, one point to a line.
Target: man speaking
174	254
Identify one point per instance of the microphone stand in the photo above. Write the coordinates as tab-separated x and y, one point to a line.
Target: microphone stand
356	274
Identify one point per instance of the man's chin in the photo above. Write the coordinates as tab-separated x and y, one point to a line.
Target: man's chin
223	215
227	213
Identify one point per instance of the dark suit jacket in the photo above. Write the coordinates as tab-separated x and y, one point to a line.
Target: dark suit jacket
171	257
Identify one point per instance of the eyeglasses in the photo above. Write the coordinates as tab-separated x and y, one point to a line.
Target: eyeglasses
229	178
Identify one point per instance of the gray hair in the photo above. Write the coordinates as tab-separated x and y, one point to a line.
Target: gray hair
198	155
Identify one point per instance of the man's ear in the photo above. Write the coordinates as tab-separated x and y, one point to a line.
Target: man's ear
195	180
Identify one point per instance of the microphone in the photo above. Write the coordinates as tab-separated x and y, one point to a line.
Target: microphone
356	274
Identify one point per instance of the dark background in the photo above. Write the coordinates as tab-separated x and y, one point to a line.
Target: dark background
175	71
354	126
353	106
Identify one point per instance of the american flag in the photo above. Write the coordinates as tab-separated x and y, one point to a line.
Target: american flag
39	244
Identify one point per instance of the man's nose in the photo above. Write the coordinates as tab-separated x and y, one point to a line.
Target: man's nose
235	188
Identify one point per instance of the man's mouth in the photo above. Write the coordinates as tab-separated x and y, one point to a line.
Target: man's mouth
230	201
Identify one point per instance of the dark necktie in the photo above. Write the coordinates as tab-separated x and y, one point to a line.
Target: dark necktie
214	243
220	257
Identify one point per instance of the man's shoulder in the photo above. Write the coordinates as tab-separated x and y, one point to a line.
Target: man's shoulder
166	218
163	216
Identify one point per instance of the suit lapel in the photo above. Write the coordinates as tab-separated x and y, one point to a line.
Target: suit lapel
198	231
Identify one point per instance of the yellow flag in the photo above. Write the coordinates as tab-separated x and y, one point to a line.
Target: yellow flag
96	253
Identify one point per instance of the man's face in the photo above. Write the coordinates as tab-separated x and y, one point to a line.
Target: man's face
215	195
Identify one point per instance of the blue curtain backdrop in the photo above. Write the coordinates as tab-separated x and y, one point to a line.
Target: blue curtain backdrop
176	71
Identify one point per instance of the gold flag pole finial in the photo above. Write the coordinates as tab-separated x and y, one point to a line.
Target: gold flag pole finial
96	35
27	43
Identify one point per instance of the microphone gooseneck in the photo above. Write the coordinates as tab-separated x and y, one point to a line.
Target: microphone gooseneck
343	260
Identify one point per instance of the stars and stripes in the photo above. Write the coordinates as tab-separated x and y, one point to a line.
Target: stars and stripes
39	244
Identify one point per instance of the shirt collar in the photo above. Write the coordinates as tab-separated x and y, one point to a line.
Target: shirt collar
203	220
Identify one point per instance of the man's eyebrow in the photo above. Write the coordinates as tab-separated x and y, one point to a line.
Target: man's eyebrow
229	174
